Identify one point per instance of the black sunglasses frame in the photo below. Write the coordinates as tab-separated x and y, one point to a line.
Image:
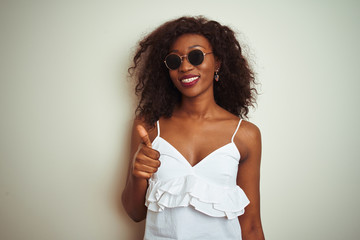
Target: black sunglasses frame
187	57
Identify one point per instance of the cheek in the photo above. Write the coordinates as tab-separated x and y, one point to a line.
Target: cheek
174	77
207	69
208	65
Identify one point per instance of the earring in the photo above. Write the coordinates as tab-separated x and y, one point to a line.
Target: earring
216	77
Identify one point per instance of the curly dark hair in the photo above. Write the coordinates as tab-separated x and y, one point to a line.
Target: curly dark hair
158	96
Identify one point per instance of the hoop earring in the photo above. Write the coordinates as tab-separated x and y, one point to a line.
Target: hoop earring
216	77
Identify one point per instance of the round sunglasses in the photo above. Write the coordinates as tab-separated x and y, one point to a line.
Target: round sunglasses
195	58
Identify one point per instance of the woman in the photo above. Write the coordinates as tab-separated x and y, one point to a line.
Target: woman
195	163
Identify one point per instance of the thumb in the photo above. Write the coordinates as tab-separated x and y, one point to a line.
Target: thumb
144	135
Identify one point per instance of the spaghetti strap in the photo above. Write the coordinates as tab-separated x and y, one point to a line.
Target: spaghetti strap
232	139
158	128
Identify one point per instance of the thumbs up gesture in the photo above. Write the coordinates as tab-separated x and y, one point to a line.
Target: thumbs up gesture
146	160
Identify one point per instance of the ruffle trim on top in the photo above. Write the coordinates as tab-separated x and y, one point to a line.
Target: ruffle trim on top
190	190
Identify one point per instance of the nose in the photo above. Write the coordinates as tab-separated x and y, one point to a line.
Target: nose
185	65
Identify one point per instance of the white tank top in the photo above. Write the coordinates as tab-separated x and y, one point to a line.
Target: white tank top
194	202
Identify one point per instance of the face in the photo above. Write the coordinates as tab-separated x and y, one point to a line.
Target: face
189	79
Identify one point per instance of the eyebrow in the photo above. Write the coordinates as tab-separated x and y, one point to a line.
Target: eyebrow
193	46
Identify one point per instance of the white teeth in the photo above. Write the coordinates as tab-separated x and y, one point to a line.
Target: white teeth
187	80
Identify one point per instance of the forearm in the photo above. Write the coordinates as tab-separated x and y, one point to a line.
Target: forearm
133	198
143	164
251	230
253	234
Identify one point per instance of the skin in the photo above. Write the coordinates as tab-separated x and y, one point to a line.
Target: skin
197	127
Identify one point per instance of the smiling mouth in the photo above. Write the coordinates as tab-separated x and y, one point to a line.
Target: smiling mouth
188	82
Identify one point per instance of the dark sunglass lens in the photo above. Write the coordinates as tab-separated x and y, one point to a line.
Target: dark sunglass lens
173	61
196	57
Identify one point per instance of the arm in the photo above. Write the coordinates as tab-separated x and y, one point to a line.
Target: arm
249	180
141	167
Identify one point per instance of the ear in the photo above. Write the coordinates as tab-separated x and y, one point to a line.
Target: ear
217	64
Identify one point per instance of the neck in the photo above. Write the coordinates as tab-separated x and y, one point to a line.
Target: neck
203	107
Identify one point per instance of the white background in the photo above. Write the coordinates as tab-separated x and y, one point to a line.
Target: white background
66	107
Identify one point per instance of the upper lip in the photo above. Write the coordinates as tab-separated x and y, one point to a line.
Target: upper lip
188	76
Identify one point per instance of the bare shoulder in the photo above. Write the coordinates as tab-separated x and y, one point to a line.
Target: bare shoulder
248	139
249	131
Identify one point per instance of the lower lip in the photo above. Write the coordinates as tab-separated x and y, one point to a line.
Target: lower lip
189	84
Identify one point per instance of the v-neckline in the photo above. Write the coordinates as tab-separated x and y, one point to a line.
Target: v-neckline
184	158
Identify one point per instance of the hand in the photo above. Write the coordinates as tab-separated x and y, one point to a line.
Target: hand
146	160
